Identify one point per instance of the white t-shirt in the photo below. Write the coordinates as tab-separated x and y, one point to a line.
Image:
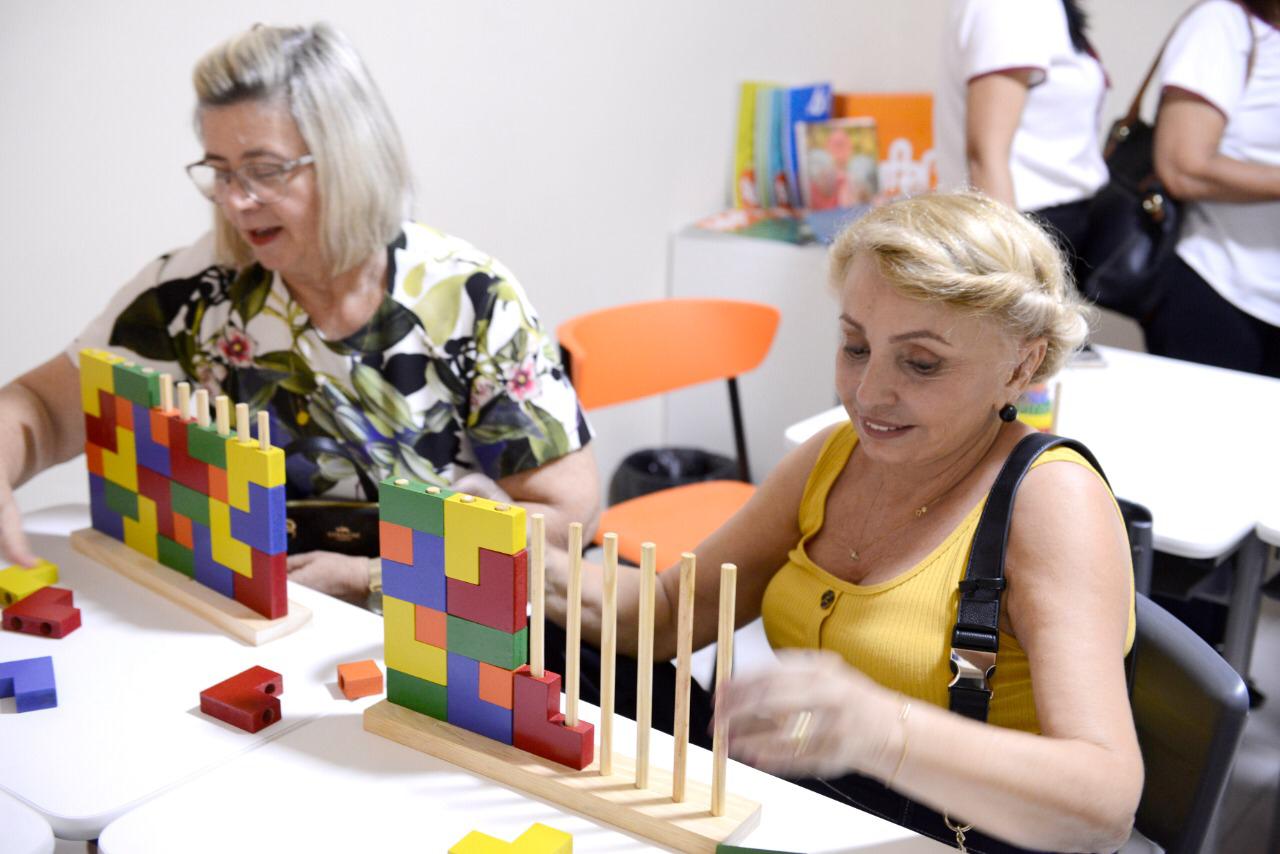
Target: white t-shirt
1056	156
1234	246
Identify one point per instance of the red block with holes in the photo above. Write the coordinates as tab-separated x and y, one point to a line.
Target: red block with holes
499	600
538	726
47	612
249	700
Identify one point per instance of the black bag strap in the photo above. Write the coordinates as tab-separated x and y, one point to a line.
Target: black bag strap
311	445
976	636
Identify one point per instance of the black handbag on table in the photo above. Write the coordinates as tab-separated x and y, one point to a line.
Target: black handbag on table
348	527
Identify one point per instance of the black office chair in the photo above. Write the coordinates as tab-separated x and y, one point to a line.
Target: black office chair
1189	707
1137	522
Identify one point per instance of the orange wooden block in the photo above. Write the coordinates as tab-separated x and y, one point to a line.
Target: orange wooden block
182	531
160	427
93	454
430	626
124	413
218	484
396	542
495	685
359	679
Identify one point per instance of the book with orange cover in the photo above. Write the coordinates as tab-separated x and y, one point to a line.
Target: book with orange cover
904	122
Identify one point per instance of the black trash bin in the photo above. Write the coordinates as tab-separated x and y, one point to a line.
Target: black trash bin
662	468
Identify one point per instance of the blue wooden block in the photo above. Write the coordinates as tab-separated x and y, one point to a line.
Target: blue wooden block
424	582
102	517
208	571
30	682
467	710
150	453
263	527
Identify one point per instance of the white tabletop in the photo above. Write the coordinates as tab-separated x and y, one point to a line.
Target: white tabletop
331	786
22	830
1194	444
128	725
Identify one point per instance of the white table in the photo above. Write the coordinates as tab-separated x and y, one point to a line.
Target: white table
330	786
22	830
1195	444
127	725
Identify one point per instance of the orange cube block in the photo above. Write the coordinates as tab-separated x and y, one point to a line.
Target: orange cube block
396	542
358	679
495	685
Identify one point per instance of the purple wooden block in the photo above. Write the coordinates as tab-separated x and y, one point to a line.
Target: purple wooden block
102	517
30	682
424	582
263	527
208	571
150	453
467	710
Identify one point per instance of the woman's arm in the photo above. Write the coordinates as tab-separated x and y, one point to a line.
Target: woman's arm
1188	133
993	109
40	426
1073	788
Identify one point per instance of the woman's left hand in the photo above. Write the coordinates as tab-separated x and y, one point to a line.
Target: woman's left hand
811	716
339	575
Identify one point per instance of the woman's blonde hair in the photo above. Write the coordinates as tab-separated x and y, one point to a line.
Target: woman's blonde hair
976	254
361	168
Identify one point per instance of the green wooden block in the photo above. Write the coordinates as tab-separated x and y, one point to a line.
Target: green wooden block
204	444
121	500
175	555
491	646
188	502
409	504
136	384
421	696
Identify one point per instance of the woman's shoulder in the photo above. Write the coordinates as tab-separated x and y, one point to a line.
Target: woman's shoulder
1220	17
442	254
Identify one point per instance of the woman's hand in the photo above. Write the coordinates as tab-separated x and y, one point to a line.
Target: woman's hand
812	715
14	547
344	576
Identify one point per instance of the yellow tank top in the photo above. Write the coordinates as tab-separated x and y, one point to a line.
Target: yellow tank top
898	632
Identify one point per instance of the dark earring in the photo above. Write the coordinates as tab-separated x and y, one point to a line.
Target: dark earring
1008	412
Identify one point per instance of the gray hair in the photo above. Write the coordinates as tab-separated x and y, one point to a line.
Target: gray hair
360	163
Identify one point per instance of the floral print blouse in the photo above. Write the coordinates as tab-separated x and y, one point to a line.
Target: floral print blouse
452	374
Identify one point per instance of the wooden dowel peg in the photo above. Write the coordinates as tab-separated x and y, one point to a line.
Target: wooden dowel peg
202	407
684	671
573	626
644	662
184	400
264	430
166	392
223	407
608	650
242	422
724	664
537	594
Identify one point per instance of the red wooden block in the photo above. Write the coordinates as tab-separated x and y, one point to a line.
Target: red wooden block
156	487
124	413
359	679
266	592
191	473
499	600
160	426
101	429
396	542
182	531
538	726
249	700
430	626
93	457
46	612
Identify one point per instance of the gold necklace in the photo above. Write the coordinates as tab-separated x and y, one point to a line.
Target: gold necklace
918	513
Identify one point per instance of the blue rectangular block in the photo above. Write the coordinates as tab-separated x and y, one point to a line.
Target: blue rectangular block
263	527
150	453
208	571
424	582
102	517
30	682
467	710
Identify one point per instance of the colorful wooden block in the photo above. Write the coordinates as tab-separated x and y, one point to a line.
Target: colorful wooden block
17	581
175	555
208	571
124	414
136	384
182	531
30	682
249	700
266	590
120	500
100	429
121	466
430	626
539	726
420	695
151	453
101	516
495	685
423	581
159	419
403	652
501	649
227	550
538	839
190	503
500	600
358	679
218	484
395	542
48	612
263	527
467	709
156	487
411	505
207	445
478	523
140	533
93	458
190	472
247	463
96	375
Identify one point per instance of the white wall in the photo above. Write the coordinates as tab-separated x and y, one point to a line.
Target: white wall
568	138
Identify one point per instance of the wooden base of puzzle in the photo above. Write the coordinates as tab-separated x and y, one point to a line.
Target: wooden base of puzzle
650	812
232	617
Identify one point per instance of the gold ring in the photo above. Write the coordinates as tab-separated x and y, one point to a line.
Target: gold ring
797	730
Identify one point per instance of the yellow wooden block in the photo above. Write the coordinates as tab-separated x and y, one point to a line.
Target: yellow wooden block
227	550
471	524
95	375
18	582
538	839
140	534
248	463
404	652
121	466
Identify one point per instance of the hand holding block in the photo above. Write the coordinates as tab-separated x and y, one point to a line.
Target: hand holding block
249	700
538	839
30	682
47	612
358	679
17	581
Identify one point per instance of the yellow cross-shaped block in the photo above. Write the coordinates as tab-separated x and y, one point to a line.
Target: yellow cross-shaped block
538	839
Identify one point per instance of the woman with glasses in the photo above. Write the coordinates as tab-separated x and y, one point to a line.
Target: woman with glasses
379	345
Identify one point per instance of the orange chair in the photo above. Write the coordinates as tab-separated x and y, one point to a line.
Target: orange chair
634	351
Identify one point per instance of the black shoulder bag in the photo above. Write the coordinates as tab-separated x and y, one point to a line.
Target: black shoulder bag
334	525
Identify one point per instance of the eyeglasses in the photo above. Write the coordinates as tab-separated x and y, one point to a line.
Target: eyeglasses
261	180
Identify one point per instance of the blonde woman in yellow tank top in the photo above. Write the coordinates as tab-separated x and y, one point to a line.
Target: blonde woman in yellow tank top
852	549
